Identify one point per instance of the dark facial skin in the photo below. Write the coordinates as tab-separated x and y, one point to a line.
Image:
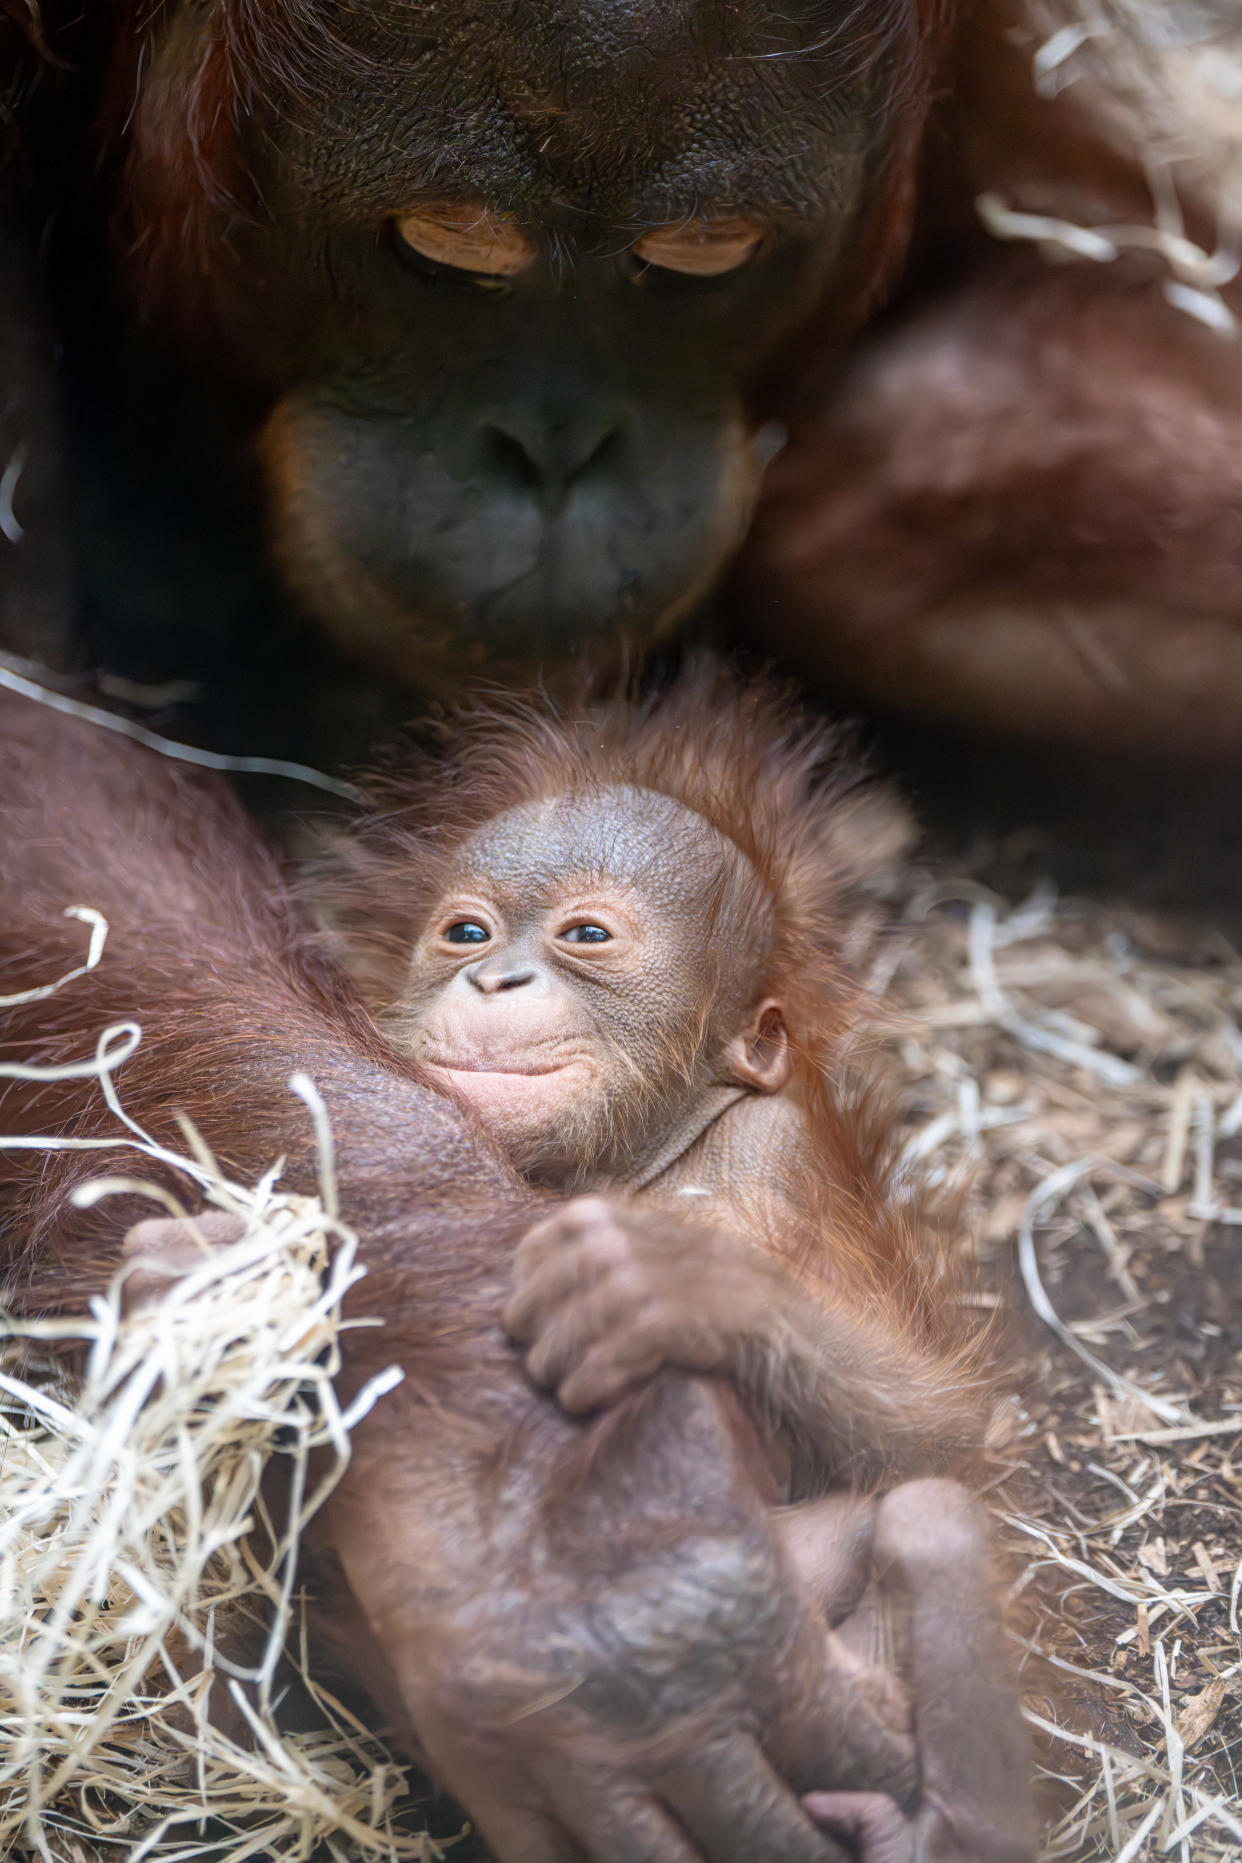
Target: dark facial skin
509	279
560	984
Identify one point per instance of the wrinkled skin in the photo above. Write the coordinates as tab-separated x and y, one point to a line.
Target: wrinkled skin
558	986
597	976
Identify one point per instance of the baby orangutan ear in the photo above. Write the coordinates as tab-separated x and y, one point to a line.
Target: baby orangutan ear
758	1056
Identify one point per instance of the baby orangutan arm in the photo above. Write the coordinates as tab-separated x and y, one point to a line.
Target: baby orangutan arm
605	1296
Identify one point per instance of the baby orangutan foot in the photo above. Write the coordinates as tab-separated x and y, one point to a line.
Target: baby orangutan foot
605	1296
162	1249
880	1832
875	1826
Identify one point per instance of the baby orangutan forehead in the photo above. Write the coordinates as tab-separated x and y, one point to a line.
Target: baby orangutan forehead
634	836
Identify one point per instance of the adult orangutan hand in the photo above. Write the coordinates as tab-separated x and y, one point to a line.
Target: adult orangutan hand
612	1657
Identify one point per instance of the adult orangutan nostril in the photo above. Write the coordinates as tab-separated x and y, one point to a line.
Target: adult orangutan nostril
547	459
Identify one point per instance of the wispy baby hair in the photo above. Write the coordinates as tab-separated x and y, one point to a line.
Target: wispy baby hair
785	788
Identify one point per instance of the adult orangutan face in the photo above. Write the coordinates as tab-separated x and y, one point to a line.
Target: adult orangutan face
506	278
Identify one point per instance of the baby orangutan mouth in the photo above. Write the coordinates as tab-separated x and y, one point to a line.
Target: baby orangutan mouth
520	1105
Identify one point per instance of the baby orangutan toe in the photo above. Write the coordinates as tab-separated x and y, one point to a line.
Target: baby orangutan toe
872	1823
163	1249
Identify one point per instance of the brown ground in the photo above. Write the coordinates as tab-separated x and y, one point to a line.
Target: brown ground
1082	1064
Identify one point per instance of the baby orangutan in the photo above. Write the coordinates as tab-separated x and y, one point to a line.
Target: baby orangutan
616	940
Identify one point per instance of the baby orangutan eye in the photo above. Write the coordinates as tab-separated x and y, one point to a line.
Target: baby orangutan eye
586	934
466	931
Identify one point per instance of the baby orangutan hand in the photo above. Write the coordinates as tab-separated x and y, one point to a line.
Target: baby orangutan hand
605	1296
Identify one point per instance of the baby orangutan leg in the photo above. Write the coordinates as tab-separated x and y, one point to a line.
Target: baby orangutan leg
931	1559
161	1249
832	1543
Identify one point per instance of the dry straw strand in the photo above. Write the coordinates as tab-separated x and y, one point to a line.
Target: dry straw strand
131	1574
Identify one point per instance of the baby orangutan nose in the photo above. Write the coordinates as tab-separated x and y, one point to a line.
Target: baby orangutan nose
495	974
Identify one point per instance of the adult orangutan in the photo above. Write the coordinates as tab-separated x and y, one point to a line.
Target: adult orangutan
506	301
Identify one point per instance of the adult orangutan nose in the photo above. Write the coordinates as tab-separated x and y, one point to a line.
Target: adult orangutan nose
547	458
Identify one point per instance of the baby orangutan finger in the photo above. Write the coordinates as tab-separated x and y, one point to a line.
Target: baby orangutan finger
583	1219
873	1823
540	1292
605	1375
566	1254
579	1326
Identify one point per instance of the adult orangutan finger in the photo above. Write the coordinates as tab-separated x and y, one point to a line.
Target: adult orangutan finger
737	1809
524	1837
620	1827
164	1249
829	1542
515	1831
874	1823
160	1235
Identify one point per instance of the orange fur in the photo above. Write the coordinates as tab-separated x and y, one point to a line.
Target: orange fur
860	1235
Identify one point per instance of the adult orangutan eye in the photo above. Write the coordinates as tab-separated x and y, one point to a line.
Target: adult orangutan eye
466	931
586	934
467	237
702	248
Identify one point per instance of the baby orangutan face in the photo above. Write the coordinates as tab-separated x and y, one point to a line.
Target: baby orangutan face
590	983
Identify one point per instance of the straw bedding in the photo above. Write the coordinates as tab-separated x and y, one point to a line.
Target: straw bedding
132	1579
1080	1064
